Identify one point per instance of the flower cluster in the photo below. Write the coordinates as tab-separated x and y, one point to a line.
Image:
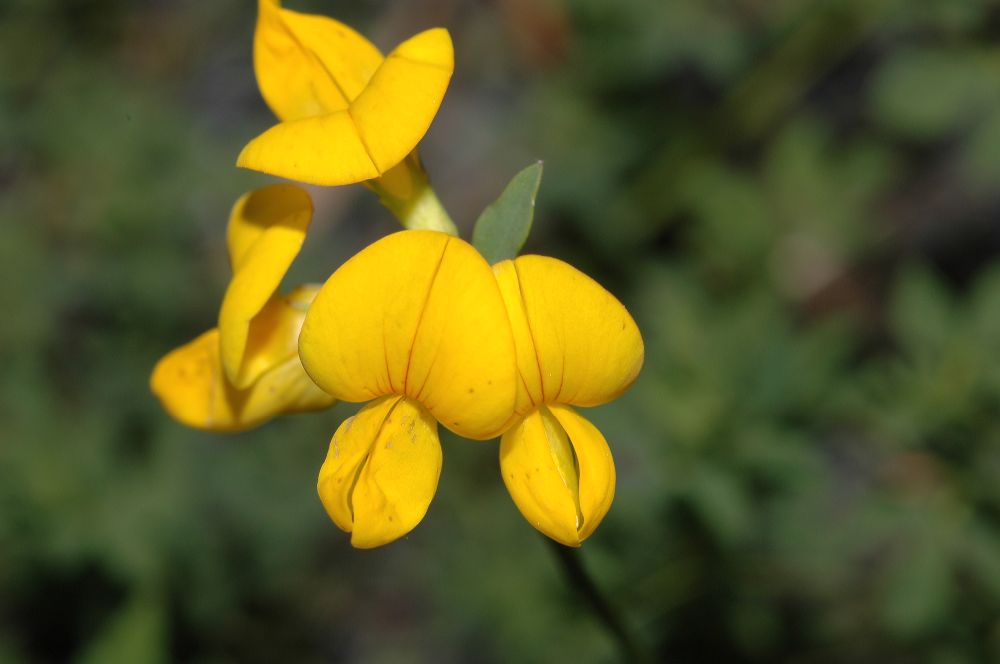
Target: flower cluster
419	324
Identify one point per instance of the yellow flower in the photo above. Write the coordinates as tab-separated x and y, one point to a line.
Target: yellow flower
576	345
347	114
416	323
247	370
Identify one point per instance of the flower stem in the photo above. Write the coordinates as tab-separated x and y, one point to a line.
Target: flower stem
406	191
426	212
578	577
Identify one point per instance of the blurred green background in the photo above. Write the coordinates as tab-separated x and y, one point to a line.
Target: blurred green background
798	201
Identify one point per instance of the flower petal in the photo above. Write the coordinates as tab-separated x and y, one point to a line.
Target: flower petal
559	472
532	464
309	65
596	479
417	313
325	150
575	342
266	231
274	332
381	471
191	385
380	127
285	389
394	112
529	370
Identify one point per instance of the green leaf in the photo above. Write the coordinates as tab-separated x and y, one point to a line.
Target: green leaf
919	590
921	311
926	93
503	227
135	634
718	496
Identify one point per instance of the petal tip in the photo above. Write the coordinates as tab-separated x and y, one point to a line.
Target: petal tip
433	46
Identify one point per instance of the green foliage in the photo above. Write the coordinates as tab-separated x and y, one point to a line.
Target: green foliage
504	226
797	202
925	93
135	634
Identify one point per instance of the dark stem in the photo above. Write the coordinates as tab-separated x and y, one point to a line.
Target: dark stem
578	577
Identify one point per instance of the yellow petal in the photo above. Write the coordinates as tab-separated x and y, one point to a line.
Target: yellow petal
325	150
379	128
575	342
191	385
274	332
307	64
397	107
381	471
284	389
417	313
529	383
559	471
266	231
596	467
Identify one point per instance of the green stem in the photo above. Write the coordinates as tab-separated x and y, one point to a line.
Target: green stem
425	212
406	191
578	577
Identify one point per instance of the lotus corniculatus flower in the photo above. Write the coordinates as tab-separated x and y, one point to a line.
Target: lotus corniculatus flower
414	324
247	370
347	114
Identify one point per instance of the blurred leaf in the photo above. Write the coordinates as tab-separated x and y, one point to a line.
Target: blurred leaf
980	551
630	39
735	228
756	626
919	590
921	310
720	501
135	635
504	225
583	176
944	15
981	155
924	93
781	458
983	302
820	190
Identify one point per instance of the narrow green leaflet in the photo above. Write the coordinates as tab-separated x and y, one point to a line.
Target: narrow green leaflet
503	227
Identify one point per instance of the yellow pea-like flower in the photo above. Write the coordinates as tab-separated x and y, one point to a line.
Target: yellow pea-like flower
247	370
347	114
576	345
416	324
